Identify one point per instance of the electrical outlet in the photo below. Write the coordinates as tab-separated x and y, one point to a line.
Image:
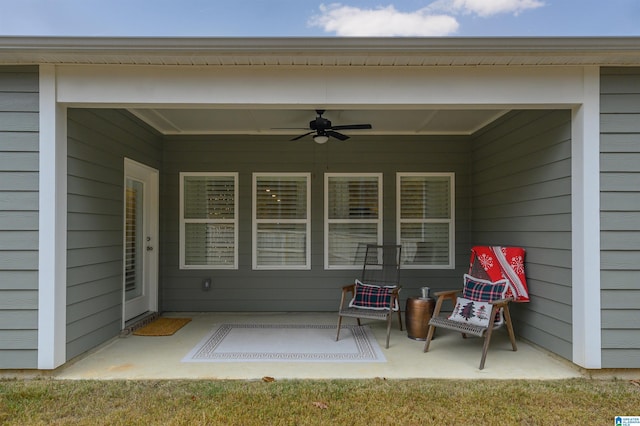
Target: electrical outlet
206	284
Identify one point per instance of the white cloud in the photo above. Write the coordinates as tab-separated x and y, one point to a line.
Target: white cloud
437	19
382	22
485	8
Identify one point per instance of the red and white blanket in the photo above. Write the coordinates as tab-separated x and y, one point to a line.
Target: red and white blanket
504	262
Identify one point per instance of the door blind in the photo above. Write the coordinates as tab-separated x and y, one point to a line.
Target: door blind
133	241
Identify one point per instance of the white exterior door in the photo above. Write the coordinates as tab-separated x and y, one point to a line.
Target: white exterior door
140	275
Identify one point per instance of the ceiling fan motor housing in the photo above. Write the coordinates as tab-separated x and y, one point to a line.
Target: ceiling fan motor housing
320	123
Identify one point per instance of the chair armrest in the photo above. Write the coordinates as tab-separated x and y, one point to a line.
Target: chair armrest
395	297
351	288
502	302
442	296
446	293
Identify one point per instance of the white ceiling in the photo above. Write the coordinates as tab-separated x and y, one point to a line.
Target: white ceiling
294	122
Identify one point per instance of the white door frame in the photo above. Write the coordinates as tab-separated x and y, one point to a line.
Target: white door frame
149	176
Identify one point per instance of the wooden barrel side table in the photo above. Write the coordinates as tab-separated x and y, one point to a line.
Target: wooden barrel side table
418	312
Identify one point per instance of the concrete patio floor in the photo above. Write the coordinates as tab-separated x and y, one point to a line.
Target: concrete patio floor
450	356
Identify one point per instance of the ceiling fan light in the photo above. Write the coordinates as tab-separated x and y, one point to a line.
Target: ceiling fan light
320	139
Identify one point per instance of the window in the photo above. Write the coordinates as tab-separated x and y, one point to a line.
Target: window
208	220
353	214
281	221
425	224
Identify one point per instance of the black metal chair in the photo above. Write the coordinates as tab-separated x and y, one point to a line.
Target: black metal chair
375	296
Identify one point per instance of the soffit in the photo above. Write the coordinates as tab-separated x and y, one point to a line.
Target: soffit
295	122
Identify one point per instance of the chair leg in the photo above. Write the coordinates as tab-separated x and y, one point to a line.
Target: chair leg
487	335
388	329
509	324
339	324
400	318
432	329
485	347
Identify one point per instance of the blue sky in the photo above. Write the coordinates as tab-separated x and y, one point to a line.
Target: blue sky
313	18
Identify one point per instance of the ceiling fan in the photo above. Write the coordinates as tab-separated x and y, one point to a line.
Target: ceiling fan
323	129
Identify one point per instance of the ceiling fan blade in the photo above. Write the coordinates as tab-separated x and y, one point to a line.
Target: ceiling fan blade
301	136
352	127
337	135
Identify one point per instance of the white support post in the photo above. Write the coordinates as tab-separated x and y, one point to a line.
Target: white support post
585	182
52	263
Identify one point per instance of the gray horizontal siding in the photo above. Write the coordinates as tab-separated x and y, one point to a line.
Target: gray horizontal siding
620	216
19	159
522	197
28	102
619	356
98	141
315	289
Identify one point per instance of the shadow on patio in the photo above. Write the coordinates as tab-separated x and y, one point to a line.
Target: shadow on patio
450	356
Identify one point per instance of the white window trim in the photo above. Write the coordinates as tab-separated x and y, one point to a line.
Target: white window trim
184	221
255	221
328	221
451	220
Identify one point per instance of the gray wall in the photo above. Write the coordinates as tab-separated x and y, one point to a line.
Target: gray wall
522	197
315	289
19	217
620	217
98	141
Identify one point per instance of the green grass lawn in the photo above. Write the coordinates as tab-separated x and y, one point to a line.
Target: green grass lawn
310	402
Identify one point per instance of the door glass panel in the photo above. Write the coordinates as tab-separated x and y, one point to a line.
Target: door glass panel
134	234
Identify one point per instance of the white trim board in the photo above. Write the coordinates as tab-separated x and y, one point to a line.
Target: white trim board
52	257
585	208
308	87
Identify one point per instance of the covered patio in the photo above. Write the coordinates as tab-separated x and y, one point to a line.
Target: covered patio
512	125
450	356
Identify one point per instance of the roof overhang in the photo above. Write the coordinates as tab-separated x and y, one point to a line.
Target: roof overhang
280	102
512	51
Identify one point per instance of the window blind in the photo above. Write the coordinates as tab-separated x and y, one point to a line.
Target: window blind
354	218
425	219
281	221
281	197
209	220
209	197
425	197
